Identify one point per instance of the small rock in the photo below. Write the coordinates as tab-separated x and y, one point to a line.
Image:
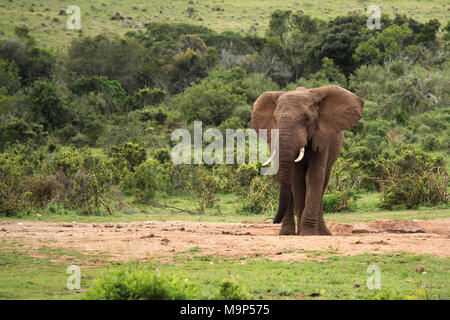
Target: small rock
165	241
119	226
117	16
357	285
62	12
3	229
67	225
420	270
151	235
109	225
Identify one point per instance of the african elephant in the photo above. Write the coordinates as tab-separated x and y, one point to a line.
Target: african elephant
311	124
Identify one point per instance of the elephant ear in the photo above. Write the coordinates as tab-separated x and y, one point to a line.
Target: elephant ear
339	109
262	112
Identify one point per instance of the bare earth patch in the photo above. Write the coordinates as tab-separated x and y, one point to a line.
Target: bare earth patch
161	240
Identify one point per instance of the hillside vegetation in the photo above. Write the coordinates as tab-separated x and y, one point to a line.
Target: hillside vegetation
89	128
47	20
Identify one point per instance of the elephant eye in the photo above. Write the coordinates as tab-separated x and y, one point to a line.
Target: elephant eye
306	118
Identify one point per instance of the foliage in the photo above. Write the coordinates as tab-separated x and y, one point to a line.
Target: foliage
131	283
411	178
203	186
32	63
144	97
9	77
149	178
337	201
128	156
47	105
230	289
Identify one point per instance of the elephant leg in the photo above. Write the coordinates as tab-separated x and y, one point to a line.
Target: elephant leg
288	222
299	192
315	179
323	230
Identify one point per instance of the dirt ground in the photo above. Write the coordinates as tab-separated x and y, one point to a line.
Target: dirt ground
161	240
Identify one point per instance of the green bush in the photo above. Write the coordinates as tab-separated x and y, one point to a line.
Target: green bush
131	283
143	283
203	186
230	289
429	142
149	178
259	195
129	155
337	201
47	105
411	178
162	155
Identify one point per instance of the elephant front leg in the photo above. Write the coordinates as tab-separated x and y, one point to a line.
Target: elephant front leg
299	187
312	214
288	222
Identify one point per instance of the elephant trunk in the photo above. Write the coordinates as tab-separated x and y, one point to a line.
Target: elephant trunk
286	167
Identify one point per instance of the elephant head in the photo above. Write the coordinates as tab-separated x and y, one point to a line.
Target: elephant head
306	120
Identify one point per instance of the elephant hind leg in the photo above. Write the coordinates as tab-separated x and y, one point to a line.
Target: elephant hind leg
323	230
288	222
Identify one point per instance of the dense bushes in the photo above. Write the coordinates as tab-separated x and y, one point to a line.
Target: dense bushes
125	96
143	283
411	178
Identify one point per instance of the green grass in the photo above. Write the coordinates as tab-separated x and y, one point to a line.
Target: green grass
240	16
42	274
326	275
333	277
226	210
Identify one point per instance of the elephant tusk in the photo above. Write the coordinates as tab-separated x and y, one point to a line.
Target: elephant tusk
300	155
269	161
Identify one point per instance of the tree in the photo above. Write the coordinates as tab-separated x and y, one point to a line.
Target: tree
47	105
9	77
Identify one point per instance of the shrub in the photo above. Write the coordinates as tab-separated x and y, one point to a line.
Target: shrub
411	178
131	283
203	185
144	97
336	201
230	289
149	178
162	155
47	105
429	142
12	189
260	195
210	101
9	77
84	85
129	155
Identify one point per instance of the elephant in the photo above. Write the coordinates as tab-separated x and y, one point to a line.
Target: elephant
310	124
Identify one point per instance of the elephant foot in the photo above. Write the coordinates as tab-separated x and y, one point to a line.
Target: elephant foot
323	230
287	230
309	231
